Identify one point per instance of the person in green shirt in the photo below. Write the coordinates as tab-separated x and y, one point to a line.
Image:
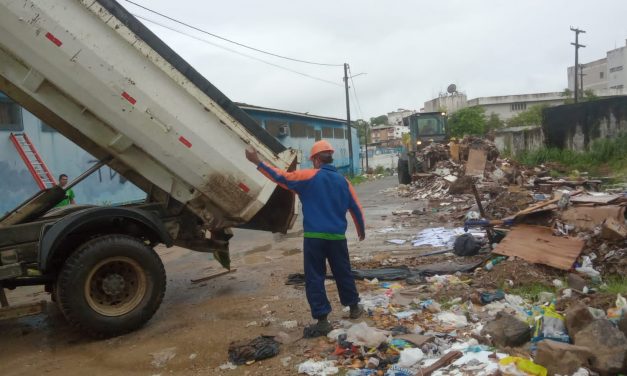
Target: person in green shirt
69	194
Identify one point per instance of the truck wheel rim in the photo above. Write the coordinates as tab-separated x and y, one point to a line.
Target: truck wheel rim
115	286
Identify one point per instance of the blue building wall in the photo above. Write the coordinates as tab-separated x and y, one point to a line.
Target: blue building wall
302	132
60	155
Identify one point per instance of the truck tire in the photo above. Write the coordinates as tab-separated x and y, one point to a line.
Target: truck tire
403	172
111	285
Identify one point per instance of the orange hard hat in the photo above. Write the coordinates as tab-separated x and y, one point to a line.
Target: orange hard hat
319	147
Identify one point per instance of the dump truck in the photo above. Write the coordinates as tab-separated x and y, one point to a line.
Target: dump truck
92	71
425	128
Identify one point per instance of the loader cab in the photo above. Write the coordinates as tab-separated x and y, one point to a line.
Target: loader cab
426	128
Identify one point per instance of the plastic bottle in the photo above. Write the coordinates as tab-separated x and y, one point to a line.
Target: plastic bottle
490	264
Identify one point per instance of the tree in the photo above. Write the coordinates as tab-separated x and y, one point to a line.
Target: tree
468	121
588	95
379	120
362	127
531	116
494	122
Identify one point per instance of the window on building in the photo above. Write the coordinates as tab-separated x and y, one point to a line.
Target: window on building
46	128
327	132
277	128
299	130
601	74
338	133
318	135
518	106
311	132
616	69
10	115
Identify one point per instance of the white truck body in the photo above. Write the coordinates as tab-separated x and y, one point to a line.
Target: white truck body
91	70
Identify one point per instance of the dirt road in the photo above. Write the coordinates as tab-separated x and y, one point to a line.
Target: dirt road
196	322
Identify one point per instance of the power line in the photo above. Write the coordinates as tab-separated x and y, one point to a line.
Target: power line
361	114
236	52
232	41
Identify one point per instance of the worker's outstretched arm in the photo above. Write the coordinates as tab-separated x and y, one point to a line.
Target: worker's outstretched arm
295	181
356	211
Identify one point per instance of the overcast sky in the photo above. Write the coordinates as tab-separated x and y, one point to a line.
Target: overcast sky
410	50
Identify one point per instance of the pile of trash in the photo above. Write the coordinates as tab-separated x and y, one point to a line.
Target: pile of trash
407	333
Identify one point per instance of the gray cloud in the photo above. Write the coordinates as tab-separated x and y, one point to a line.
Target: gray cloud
411	50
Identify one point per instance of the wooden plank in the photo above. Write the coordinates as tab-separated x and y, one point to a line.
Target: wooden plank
605	199
537	244
476	162
534	208
14	312
454	149
213	276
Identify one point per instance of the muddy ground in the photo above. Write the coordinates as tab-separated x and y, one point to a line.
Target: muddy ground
196	322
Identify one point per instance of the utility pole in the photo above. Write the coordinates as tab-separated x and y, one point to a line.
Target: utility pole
577	45
366	142
581	79
351	171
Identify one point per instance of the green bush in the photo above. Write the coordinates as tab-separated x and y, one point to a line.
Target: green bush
611	152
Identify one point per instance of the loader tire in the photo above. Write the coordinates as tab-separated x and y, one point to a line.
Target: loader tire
403	172
111	285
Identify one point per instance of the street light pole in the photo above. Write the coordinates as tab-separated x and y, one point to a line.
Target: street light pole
351	172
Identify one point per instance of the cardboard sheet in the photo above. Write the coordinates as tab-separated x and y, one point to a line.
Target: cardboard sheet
537	244
589	217
476	162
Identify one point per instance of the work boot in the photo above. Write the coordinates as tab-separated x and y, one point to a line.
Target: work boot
319	329
356	311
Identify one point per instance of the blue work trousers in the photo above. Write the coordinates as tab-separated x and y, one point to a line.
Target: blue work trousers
316	253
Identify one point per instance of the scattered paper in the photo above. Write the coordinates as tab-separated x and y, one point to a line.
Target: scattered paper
396	241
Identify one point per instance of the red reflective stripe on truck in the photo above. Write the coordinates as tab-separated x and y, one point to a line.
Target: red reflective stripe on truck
126	96
185	142
54	39
244	187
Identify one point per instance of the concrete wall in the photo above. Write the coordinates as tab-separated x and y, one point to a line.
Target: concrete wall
520	139
574	126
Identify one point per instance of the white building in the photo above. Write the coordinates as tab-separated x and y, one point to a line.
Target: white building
446	102
606	76
508	106
505	106
396	117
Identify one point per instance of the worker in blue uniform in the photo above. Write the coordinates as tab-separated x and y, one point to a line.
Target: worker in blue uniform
326	196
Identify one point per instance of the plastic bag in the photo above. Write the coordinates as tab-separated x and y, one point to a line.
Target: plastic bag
313	368
409	357
550	325
515	366
362	334
588	269
450	318
620	309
